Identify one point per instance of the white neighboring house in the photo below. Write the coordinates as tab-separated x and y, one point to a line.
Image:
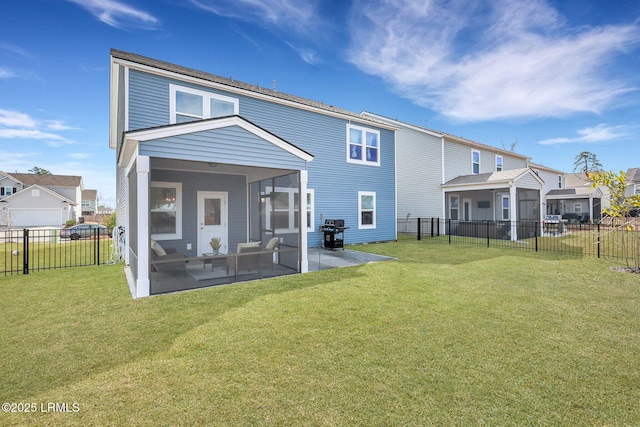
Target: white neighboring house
30	200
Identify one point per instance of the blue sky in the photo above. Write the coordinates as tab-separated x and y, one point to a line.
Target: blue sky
551	78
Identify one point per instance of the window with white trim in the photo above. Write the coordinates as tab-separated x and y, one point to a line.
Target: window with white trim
637	188
454	207
559	181
283	209
505	208
165	204
366	209
187	104
577	207
499	163
363	145
475	162
8	191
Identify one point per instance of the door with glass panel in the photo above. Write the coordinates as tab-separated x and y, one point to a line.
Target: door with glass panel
212	220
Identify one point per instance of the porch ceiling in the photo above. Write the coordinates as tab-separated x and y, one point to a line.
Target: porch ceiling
252	173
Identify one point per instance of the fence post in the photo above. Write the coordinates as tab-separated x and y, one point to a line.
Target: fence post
431	226
419	229
488	240
535	233
25	251
598	240
449	233
96	231
438	226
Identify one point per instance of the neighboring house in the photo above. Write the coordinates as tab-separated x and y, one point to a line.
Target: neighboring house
577	200
31	200
633	180
450	177
199	155
89	202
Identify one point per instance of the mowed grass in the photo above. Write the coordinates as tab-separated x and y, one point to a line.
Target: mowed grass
445	335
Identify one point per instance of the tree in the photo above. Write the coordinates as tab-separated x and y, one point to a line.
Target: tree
39	171
587	162
620	207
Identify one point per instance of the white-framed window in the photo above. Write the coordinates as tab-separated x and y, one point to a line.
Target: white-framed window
8	191
283	209
35	193
86	204
499	163
577	207
187	104
454	207
475	162
165	204
559	181
366	209
310	209
636	188
363	145
505	208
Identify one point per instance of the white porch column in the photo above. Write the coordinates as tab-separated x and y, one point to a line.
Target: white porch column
591	209
513	212
143	286
304	257
541	213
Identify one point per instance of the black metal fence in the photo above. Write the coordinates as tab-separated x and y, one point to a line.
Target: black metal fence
25	250
609	239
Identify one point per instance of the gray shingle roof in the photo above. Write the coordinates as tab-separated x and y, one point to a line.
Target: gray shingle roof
48	180
495	177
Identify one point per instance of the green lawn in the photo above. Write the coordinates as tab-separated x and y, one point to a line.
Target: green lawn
446	335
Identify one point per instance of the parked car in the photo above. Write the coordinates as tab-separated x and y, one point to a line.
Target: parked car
83	231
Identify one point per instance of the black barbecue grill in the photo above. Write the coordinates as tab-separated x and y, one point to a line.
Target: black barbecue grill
333	230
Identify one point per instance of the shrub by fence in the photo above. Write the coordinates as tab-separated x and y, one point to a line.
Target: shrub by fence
26	250
602	240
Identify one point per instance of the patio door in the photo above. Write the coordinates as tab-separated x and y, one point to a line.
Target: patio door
212	220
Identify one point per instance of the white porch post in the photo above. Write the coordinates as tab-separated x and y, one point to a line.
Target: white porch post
541	213
142	225
591	209
304	257
513	212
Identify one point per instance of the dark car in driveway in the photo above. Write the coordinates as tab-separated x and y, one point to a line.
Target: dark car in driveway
83	231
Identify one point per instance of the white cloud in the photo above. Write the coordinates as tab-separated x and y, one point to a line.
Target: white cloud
17	125
296	15
117	14
79	155
307	55
11	118
475	61
599	133
5	73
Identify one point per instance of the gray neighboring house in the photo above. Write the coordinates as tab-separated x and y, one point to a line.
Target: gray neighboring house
30	200
578	200
89	202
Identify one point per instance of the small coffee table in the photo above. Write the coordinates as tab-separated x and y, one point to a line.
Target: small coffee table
218	260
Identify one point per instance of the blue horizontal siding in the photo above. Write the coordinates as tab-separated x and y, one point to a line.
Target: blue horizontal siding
232	145
335	182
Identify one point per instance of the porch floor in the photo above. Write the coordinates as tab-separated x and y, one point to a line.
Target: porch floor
199	275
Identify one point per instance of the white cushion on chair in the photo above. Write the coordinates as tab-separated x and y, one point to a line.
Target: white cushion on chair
155	247
242	246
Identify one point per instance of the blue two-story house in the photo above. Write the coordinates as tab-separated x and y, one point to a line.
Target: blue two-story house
201	157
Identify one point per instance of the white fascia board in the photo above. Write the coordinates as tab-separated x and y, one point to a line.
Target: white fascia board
212	124
250	94
113	104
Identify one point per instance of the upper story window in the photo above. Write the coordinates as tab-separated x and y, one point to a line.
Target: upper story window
475	162
499	162
559	181
637	188
363	145
187	105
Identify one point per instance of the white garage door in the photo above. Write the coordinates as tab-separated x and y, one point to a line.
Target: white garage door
37	217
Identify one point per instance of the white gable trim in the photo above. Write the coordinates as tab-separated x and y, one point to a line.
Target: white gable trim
24	191
212	124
